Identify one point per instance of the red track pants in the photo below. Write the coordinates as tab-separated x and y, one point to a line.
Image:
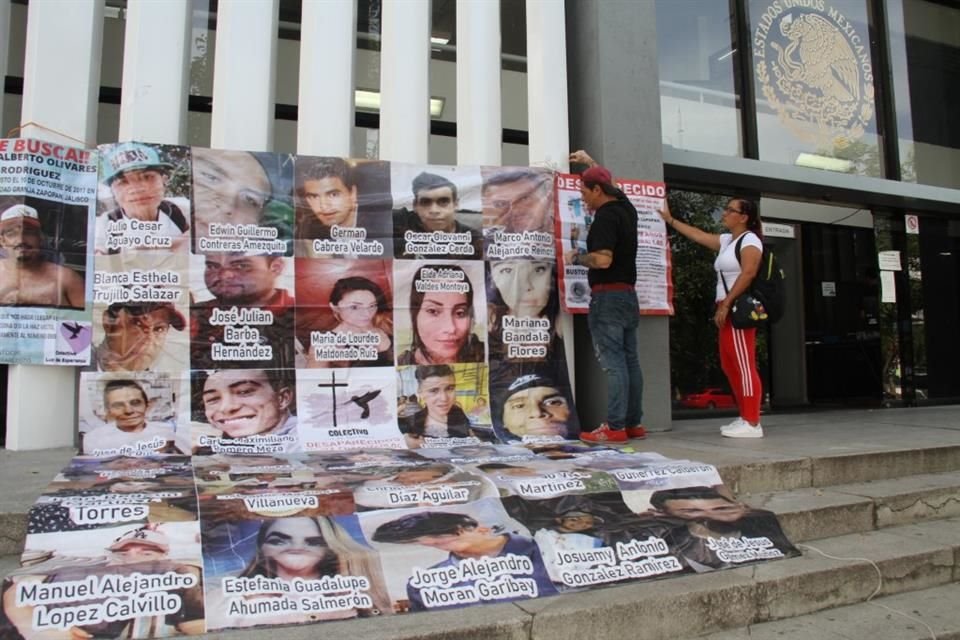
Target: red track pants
738	359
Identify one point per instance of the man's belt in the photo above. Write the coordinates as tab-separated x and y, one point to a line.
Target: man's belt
611	286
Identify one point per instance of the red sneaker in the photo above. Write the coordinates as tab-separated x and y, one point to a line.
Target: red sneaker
604	433
637	432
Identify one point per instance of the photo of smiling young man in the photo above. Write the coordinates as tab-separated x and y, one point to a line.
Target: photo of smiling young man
240	411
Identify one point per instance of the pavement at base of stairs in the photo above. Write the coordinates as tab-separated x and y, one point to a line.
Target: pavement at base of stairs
789	437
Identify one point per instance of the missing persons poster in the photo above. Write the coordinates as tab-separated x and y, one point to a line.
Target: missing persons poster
47	195
259	303
654	269
165	545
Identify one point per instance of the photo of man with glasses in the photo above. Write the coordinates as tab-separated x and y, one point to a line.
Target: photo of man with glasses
517	213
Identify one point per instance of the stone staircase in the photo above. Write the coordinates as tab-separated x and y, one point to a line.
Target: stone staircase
880	532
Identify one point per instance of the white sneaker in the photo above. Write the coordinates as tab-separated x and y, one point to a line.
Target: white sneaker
742	430
731	425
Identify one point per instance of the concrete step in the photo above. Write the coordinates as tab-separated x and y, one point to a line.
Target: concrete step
918	615
815	513
825	469
907	559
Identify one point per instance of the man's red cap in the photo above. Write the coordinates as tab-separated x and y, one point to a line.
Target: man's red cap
597	174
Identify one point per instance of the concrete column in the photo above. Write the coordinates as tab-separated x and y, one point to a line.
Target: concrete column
59	93
613	82
5	38
327	39
547	120
405	81
244	75
479	128
156	71
547	108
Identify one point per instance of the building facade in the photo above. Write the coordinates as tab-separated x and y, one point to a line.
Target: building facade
834	114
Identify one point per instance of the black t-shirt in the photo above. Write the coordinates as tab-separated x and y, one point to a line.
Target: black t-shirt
615	228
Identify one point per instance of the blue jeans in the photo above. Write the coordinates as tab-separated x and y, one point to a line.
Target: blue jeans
613	320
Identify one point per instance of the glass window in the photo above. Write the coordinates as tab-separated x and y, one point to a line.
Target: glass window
699	102
925	64
814	84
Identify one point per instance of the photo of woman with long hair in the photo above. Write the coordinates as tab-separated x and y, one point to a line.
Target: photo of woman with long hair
304	548
360	307
442	317
519	290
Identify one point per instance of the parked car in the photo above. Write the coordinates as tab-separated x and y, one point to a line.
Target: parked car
710	398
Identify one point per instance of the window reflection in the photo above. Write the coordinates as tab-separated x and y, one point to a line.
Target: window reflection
698	97
924	49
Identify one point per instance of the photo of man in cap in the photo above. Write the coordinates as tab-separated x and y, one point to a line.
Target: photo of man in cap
145	216
126	429
135	338
464	538
144	551
532	407
27	275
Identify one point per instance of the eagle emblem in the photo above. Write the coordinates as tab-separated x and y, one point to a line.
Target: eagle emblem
815	71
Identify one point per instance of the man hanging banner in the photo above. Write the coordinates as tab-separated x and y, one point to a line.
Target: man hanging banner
654	271
47	193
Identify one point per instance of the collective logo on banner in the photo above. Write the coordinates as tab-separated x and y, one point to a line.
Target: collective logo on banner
813	66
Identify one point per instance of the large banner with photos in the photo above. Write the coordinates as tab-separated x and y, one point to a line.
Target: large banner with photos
158	546
251	303
47	196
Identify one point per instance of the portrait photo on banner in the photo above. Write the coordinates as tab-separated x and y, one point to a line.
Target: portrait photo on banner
133	413
290	570
518	214
143	199
243	310
141	305
439	312
114	562
243	411
43	253
522	311
344	313
455	555
436	212
435	484
242	202
343	208
443	405
532	402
